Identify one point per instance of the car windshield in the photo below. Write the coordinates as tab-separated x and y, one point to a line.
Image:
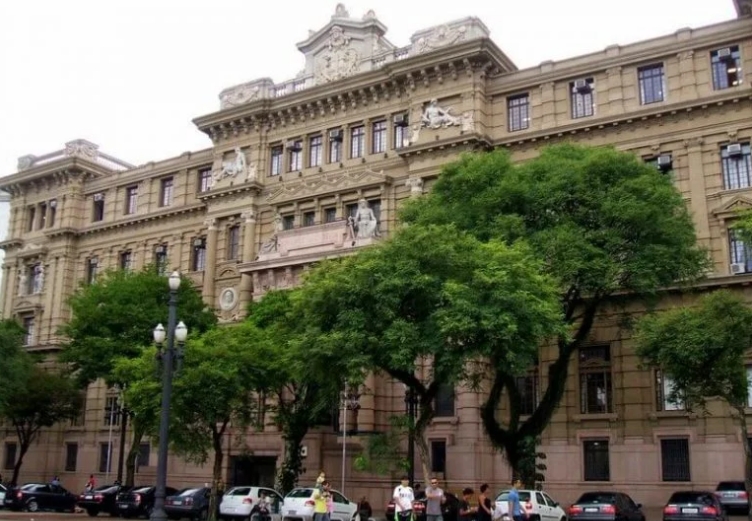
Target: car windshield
730	485
691	497
239	491
597	497
188	491
142	490
504	496
30	486
106	488
300	492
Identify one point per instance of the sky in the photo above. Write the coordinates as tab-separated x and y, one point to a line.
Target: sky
130	75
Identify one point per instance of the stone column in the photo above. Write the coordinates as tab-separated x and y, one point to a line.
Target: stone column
366	413
211	261
48	289
614	93
249	244
698	201
687	76
548	105
6	290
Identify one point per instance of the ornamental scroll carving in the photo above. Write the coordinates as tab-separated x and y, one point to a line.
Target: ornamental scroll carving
440	37
339	60
82	148
239	95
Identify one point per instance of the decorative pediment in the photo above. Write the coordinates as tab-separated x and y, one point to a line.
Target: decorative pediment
732	208
327	183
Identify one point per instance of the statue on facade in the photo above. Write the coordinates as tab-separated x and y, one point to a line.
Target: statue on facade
437	117
272	242
233	167
365	221
39	279
22	282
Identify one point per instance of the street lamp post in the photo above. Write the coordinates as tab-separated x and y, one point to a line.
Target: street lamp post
168	357
410	403
350	400
123	431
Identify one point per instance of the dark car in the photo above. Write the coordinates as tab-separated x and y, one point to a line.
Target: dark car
139	501
40	496
192	503
733	496
605	506
691	505
450	509
101	499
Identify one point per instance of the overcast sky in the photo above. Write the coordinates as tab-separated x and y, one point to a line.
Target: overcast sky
130	75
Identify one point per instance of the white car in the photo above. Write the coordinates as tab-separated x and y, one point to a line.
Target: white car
2	494
538	505
298	506
244	502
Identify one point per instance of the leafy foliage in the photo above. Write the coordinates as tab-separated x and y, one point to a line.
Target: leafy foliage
16	361
381	454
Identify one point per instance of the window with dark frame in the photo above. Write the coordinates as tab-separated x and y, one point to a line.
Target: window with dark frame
309	218
204	180
92	268
97	208
401	131
144	452
131	200
518	112
736	163
664	386
350	210
596	460
651	79
739	252
31	213
357	141
111	411
595	380
675	459
166	188
582	98
275	165
438	456
198	255
11	452
233	243
43	215
295	157
126	260
160	259
315	151
29	330
726	65
80	419
105	457
378	137
71	456
288	222
330	215
335	145
444	401
528	387
53	213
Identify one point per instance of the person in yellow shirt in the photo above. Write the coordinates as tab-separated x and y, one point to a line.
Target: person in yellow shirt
320	507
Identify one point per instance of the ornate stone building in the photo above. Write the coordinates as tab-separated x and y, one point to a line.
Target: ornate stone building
317	167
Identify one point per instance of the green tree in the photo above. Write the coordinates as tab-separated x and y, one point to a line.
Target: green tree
114	318
431	295
16	361
42	399
600	220
701	349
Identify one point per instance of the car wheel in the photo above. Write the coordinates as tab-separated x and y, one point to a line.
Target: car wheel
32	505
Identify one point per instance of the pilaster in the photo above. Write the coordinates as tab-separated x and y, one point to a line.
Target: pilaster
366	412
614	90
547	105
249	243
697	189
687	75
211	260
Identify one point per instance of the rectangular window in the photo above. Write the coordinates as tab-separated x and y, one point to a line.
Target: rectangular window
595	456
53	213
518	112
105	457
315	151
350	210
664	386
43	215
276	160
357	141
204	180
131	200
727	67
92	267
165	191
126	260
652	83
160	259
741	256
295	150
379	137
438	456
401	131
98	208
233	242
198	257
11	450
335	145
675	459
528	387
29	326
444	402
111	411
582	98
288	222
144	450
71	457
31	214
79	420
736	163
330	215
309	218
595	380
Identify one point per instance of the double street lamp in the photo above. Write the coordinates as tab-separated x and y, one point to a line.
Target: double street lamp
170	358
411	403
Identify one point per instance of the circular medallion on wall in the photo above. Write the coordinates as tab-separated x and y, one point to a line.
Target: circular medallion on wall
227	299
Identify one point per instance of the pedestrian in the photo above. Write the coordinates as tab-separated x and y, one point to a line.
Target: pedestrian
364	509
403	500
320	481
485	510
515	510
91	484
329	500
55	482
434	499
466	510
419	494
320	508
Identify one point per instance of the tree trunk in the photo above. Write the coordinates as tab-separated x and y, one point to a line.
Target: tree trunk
130	463
25	435
747	455
219	454
292	466
419	436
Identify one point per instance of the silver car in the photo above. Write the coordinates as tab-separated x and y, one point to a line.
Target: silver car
733	496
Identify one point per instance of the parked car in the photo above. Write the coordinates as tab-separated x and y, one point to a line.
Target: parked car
694	505
101	499
139	501
605	506
450	509
2	494
40	496
537	504
192	503
244	502
733	496
298	506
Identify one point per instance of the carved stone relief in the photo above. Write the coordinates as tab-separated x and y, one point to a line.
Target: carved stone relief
435	116
415	184
440	37
228	299
339	61
239	95
82	148
233	167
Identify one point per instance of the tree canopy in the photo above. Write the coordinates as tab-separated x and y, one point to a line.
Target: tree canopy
16	361
599	220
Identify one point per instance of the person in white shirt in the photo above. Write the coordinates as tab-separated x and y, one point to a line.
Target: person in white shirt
403	501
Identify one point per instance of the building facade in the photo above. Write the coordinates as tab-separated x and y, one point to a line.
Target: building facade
367	125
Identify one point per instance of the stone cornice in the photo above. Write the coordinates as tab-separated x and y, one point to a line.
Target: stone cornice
51	174
328	183
138	219
469	139
10	244
296	260
214	193
650	112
